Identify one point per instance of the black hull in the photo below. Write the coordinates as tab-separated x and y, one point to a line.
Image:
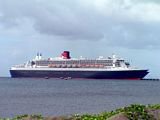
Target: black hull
125	74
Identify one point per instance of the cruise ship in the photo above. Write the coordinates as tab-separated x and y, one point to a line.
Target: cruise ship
65	67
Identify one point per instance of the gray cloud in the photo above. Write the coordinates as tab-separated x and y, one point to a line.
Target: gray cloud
120	23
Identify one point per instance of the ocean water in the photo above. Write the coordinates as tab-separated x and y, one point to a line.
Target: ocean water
64	97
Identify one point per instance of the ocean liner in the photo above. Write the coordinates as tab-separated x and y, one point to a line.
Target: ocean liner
65	67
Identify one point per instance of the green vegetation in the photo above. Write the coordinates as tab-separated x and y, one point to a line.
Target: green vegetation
132	112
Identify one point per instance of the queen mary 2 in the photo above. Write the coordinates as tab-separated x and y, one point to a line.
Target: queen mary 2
67	67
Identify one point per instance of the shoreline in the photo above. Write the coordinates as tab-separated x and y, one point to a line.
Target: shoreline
133	111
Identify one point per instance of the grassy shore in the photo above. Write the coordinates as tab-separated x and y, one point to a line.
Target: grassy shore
132	112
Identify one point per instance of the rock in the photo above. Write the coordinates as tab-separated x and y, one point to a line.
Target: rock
58	118
119	116
154	113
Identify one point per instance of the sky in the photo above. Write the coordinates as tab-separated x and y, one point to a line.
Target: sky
89	28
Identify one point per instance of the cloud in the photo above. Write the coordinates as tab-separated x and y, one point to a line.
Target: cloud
123	23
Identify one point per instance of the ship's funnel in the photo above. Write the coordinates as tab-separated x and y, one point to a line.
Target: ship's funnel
66	55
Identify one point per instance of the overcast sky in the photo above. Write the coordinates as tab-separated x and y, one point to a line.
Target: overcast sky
89	28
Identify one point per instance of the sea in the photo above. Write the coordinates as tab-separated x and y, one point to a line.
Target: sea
54	97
